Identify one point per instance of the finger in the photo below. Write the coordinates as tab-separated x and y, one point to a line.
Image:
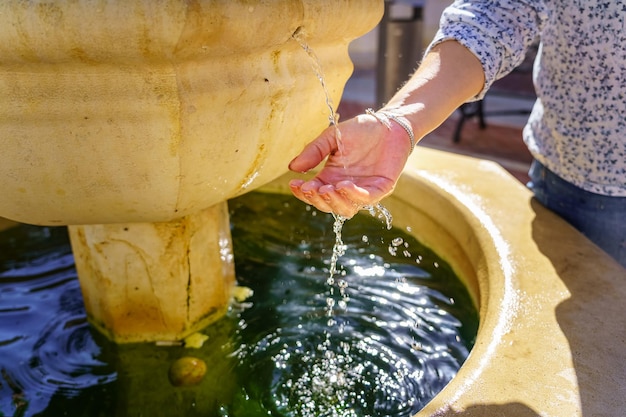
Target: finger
315	152
339	203
296	190
345	202
295	185
319	201
308	193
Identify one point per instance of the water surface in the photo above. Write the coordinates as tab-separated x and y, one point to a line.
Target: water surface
400	333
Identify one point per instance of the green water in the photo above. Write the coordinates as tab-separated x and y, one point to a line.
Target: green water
396	336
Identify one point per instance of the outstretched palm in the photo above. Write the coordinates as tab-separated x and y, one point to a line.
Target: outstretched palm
362	167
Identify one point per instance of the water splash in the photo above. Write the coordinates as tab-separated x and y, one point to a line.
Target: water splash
380	212
339	249
387	355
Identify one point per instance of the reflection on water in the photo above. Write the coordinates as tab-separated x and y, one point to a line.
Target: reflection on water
405	329
46	348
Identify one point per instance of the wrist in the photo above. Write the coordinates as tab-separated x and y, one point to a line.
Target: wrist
394	121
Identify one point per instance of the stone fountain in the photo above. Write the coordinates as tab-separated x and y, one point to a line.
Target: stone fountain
134	121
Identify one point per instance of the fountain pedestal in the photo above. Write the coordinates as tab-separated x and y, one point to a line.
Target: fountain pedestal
163	279
127	120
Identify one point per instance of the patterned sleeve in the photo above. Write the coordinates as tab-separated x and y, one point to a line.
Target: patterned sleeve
497	32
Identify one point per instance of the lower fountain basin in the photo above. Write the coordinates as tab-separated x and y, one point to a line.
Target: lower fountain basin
551	335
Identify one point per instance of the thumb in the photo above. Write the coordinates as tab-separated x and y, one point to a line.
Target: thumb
315	152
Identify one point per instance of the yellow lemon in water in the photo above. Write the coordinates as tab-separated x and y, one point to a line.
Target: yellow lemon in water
187	371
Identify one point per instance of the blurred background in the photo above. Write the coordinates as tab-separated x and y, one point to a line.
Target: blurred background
385	57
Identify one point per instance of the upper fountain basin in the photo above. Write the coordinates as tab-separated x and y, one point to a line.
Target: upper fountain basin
146	111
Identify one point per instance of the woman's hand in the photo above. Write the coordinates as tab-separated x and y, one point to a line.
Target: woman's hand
363	165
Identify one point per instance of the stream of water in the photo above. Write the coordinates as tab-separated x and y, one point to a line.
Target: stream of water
377	211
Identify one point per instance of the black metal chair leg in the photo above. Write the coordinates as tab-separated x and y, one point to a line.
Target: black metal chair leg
469	110
481	115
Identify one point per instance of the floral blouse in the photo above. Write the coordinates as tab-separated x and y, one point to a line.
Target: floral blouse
577	128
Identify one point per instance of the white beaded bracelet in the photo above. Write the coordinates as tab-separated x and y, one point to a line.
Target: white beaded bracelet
385	118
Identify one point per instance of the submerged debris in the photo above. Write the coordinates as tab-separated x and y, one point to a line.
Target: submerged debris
195	340
241	294
187	371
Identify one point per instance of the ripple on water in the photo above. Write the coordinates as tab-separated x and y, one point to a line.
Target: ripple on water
46	346
406	328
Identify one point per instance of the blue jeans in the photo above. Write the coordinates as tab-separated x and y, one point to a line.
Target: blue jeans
601	218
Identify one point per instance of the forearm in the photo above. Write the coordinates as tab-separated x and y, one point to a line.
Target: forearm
448	76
